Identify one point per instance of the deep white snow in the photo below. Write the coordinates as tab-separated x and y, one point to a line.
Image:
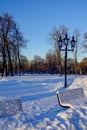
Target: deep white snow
41	110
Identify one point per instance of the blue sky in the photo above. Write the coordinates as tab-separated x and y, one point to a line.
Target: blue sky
38	17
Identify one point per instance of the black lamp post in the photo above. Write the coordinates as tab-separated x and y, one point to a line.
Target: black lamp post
64	43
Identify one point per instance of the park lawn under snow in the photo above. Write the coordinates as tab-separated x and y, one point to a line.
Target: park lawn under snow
41	110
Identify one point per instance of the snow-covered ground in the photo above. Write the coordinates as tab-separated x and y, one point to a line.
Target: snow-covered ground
41	110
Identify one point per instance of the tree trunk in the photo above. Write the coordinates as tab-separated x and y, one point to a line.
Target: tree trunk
59	62
19	64
9	58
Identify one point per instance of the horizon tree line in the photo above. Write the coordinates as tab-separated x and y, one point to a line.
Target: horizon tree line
49	65
13	62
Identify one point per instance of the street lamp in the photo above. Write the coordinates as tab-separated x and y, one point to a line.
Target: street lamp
63	46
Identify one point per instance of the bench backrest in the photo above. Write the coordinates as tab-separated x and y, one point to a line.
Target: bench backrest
71	94
10	106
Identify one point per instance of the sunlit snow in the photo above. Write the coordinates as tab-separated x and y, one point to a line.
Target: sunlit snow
41	110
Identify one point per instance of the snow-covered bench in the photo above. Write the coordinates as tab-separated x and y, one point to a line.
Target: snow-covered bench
10	107
71	97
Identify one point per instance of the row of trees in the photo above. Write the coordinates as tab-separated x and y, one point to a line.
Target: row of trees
50	65
13	62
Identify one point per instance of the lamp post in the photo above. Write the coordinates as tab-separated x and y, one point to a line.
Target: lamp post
63	45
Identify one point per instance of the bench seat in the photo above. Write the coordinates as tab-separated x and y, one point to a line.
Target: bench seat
71	97
10	106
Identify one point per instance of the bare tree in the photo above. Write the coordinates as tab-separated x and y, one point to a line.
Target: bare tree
54	36
85	41
83	66
77	35
19	42
51	62
6	25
